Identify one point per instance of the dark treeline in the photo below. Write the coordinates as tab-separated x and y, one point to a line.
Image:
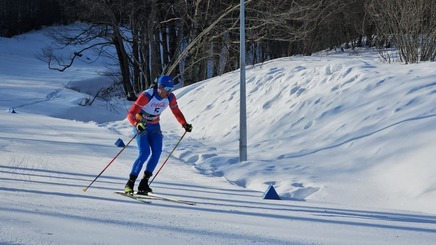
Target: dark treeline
20	16
197	39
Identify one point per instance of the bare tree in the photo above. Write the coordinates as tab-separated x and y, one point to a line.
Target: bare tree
411	25
206	22
197	39
108	18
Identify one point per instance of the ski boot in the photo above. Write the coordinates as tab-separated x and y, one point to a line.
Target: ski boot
128	189
143	187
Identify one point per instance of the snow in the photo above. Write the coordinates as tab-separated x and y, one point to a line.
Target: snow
347	141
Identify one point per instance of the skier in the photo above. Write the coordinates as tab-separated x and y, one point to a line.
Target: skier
144	116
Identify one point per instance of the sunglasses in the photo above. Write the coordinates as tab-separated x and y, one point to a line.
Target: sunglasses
168	89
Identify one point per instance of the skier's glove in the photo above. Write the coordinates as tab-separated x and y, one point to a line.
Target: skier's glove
187	127
140	127
138	117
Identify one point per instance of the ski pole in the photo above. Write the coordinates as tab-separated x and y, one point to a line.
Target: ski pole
113	159
163	164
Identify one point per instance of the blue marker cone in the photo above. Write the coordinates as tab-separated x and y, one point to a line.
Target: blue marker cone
271	193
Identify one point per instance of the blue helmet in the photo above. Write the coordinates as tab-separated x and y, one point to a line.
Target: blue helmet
165	82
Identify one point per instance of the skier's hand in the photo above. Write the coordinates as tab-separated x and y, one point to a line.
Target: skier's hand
140	127
138	117
187	127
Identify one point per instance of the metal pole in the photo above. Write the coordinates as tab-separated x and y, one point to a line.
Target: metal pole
113	159
163	164
243	109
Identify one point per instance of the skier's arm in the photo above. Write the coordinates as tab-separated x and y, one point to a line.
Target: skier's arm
175	110
136	108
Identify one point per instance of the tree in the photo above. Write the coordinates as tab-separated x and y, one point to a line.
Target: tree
410	25
198	39
109	18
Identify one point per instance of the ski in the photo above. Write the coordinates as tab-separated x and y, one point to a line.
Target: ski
164	198
134	197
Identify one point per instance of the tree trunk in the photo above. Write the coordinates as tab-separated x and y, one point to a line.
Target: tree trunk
124	64
154	42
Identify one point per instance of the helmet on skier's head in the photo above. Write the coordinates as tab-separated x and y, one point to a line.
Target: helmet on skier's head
166	83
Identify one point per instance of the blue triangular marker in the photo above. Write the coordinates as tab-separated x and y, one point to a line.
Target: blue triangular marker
271	193
120	143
